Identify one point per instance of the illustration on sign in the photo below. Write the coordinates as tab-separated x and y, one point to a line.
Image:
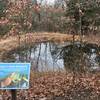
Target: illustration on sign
14	75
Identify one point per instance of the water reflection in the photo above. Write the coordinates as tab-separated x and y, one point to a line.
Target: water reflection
79	57
39	55
52	56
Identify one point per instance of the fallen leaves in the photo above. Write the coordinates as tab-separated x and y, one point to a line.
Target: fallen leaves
60	86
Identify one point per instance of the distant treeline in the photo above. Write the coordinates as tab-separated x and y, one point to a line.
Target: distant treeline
66	16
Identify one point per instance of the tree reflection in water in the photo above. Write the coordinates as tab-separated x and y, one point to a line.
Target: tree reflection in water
74	57
79	57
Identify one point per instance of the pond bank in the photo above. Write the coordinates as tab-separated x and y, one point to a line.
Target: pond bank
14	42
11	43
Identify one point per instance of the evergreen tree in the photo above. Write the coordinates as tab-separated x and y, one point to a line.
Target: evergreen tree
85	13
3	6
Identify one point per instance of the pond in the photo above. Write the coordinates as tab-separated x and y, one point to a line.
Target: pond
69	56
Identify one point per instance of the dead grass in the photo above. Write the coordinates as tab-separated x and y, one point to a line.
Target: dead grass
13	42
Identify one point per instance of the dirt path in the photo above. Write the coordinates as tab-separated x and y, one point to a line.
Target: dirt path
13	42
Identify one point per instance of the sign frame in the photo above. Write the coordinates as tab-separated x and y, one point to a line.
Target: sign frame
23	73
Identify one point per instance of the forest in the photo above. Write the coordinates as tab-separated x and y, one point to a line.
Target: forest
61	41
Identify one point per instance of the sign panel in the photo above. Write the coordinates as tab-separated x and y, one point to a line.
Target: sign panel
14	75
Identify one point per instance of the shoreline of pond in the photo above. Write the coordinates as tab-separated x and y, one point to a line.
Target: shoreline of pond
14	42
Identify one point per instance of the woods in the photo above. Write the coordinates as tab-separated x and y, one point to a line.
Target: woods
61	41
66	16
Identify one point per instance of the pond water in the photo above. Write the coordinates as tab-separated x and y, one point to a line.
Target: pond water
54	56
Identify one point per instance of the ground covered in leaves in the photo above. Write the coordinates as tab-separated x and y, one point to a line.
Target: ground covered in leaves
59	86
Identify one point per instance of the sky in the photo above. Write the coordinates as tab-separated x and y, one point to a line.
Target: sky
48	1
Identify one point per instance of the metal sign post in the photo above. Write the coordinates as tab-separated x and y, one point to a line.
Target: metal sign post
14	94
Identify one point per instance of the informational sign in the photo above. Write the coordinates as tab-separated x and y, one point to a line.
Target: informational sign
14	75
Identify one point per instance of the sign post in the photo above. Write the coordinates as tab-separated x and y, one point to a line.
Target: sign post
14	94
14	76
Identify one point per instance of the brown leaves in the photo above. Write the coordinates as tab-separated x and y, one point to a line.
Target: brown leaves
61	86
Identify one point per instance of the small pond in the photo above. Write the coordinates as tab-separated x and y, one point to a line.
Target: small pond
54	56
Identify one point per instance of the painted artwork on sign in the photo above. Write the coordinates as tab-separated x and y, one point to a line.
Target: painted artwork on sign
14	75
